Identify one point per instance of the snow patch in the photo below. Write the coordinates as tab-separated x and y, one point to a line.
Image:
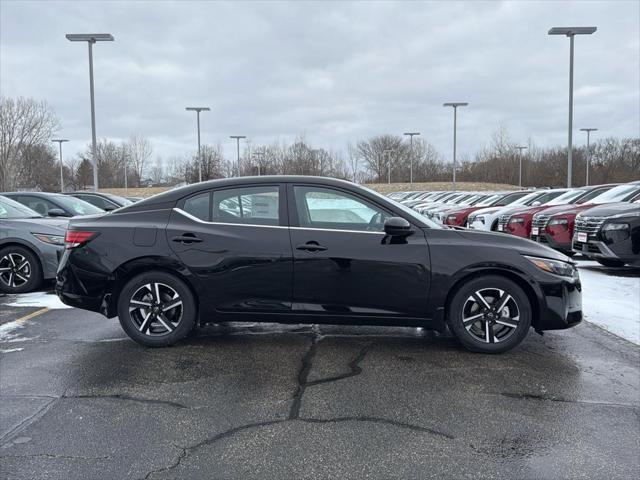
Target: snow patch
37	299
610	301
9	350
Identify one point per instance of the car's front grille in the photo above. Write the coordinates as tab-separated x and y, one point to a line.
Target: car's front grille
540	221
591	248
502	222
589	225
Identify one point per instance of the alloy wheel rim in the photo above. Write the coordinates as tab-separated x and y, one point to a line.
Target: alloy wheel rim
155	309
491	315
15	270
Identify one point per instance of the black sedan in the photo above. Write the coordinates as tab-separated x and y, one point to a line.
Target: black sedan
309	250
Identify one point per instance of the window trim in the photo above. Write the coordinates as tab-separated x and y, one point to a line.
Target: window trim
283	219
293	208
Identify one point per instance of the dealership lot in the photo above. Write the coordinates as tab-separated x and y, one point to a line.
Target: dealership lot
80	400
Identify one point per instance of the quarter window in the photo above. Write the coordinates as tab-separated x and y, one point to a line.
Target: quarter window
198	206
332	209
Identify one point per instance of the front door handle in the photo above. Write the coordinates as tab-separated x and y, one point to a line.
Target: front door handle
311	247
186	238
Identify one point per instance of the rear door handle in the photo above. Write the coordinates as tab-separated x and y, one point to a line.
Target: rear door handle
186	238
311	247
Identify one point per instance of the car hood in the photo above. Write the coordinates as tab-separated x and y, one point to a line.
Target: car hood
522	245
566	209
51	226
612	209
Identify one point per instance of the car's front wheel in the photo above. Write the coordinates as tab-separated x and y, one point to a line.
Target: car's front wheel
490	314
157	309
20	270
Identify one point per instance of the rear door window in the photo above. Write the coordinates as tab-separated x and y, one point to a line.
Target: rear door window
247	205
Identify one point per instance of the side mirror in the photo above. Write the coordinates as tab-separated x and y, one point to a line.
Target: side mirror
57	212
397	227
536	203
109	208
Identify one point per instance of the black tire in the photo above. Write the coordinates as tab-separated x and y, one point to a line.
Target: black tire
609	262
150	322
29	268
516	312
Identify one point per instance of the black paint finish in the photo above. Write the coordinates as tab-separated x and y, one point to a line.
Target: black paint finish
287	273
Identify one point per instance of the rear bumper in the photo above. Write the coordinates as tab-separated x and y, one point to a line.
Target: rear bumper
563	305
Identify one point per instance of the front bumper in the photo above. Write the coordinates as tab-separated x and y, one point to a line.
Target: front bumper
562	305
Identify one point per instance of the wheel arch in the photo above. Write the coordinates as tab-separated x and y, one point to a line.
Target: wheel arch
508	274
131	268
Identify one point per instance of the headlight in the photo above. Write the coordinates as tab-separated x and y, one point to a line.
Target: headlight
516	220
553	266
479	218
51	239
451	217
559	221
615	226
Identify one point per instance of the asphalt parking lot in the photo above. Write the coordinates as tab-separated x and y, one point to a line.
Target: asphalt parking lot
80	400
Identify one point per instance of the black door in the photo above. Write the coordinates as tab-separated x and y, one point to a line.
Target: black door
344	264
236	242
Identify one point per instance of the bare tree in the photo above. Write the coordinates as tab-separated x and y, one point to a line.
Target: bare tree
157	171
24	123
139	153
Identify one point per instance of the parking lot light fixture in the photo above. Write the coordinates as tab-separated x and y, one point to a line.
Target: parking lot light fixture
92	38
389	152
60	141
411	135
198	110
588	130
238	138
455	106
520	149
571	32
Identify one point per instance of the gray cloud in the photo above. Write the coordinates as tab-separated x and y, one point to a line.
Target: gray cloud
334	71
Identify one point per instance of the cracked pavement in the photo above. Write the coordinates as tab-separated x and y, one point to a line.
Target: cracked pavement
271	401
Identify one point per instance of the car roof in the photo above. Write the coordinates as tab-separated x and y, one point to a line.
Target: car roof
187	190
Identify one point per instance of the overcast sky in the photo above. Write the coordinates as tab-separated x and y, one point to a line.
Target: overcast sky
333	71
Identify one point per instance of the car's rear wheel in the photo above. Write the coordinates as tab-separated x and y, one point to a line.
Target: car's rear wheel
609	262
157	309
490	314
20	270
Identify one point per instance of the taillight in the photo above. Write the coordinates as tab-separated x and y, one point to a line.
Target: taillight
77	238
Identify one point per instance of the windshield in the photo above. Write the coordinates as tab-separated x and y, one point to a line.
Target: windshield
12	209
487	202
412	214
616	194
77	206
566	197
528	199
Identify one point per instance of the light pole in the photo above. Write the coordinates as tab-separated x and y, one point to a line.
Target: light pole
571	32
588	130
411	135
260	156
455	106
60	142
520	148
388	152
91	38
238	138
198	110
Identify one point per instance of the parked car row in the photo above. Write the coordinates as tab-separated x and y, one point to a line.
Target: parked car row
599	222
32	233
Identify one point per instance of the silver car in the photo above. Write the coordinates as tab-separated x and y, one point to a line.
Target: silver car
30	246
